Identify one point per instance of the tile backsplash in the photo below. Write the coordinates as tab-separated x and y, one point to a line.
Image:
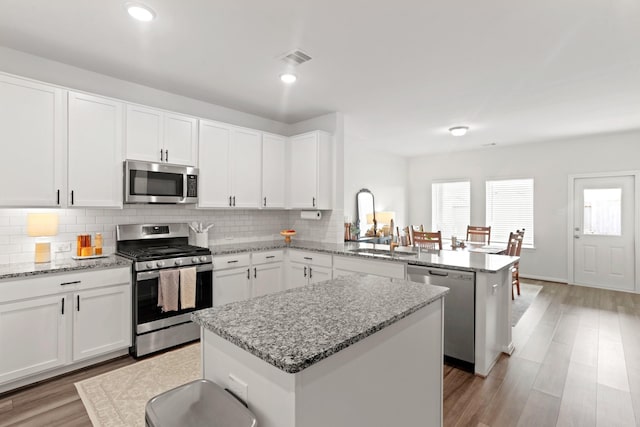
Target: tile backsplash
230	226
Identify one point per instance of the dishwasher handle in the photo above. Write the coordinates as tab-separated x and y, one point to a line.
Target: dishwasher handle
438	273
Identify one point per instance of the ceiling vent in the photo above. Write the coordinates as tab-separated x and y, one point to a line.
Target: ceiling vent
295	57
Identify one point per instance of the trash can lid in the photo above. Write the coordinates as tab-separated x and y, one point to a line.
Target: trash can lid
198	403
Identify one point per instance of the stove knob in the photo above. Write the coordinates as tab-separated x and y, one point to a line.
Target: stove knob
203	259
194	259
149	265
178	262
160	263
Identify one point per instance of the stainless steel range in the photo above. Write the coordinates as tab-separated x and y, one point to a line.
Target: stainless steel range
153	248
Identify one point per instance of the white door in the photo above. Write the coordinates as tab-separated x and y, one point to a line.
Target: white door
267	279
213	159
604	232
180	139
319	274
246	170
144	134
273	171
31	130
32	336
102	321
303	164
297	275
231	285
95	151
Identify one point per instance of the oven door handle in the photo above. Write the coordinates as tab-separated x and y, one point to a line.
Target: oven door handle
148	275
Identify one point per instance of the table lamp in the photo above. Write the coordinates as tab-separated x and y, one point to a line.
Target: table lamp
385	218
41	225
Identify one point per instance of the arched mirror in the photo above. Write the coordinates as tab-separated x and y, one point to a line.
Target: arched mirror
366	212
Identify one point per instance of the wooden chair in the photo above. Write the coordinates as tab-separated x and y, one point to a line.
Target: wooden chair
407	233
427	240
476	233
513	249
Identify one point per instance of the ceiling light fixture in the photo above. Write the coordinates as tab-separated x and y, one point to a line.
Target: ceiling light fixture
458	130
140	12
288	78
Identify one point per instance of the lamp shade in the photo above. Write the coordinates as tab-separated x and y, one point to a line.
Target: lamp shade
385	217
42	224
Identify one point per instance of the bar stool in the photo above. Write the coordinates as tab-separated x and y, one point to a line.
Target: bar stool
195	404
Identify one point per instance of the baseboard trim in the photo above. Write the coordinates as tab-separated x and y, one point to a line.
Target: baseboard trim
545	278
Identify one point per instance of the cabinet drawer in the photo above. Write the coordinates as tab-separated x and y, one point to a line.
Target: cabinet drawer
313	258
48	284
231	261
267	257
378	268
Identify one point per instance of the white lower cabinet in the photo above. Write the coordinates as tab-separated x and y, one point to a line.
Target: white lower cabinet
231	278
305	268
32	336
267	273
41	320
101	321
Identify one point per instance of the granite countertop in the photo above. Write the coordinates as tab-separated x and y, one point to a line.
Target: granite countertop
463	260
296	328
12	271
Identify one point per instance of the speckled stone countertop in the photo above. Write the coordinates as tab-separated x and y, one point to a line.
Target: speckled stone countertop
12	271
464	260
296	328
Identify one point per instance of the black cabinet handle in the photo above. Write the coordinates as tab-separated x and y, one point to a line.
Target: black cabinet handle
310	273
234	200
78	300
255	273
265	202
305	272
166	155
71	196
314	202
58	197
161	155
308	257
270	256
63	306
229	200
248	273
232	261
75	282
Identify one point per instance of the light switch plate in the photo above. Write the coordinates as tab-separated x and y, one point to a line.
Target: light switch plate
62	247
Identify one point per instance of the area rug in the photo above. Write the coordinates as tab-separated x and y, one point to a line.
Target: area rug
522	302
118	398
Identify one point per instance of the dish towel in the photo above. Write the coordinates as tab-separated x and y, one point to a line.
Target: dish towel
188	287
168	286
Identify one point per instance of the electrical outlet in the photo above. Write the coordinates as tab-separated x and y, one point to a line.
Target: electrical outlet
238	387
62	247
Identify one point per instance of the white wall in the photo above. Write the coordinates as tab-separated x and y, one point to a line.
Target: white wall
382	173
549	163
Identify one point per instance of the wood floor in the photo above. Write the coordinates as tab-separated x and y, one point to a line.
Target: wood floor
577	363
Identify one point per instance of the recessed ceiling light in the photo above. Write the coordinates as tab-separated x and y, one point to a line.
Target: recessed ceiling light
458	130
140	12
288	78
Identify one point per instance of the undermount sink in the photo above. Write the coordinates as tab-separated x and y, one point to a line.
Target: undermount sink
383	253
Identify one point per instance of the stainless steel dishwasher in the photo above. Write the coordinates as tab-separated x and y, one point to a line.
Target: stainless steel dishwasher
459	310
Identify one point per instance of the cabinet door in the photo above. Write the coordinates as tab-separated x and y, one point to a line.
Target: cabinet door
273	171
101	321
95	151
246	170
32	336
144	134
297	275
267	279
180	139
231	285
213	159
319	274
303	164
32	162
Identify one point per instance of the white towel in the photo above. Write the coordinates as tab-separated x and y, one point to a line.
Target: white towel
188	287
168	285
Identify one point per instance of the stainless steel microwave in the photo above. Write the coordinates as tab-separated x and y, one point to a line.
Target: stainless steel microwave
146	182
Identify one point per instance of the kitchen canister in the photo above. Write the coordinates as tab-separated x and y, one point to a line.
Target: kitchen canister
199	238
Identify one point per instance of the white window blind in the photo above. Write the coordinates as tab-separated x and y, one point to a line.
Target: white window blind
451	208
510	208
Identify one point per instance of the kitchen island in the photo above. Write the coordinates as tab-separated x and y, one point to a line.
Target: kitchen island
357	350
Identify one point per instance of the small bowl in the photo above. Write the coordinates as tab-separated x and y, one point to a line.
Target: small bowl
287	235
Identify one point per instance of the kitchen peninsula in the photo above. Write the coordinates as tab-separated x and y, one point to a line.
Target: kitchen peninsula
356	350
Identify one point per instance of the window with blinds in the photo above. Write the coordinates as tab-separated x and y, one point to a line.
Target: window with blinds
510	208
451	208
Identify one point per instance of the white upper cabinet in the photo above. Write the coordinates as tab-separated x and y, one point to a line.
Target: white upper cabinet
95	151
273	170
230	166
157	136
32	164
311	171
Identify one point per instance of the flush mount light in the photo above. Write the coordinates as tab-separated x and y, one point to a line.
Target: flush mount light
140	12
458	130
288	78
